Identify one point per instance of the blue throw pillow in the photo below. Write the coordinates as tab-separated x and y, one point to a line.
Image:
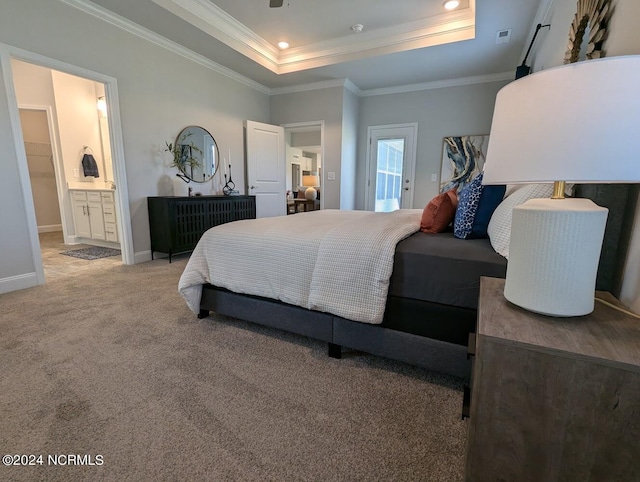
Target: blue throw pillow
476	204
491	197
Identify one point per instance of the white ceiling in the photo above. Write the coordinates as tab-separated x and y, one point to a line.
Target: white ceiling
404	42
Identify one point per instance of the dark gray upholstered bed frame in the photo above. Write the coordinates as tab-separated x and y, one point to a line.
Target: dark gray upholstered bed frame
442	345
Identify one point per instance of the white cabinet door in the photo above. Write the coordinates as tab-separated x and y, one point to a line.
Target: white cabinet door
81	219
81	214
96	219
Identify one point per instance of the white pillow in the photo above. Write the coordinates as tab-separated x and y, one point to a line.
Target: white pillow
499	229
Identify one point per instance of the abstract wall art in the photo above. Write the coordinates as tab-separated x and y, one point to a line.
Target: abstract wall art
462	160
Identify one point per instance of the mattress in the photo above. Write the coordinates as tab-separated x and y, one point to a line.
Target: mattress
440	268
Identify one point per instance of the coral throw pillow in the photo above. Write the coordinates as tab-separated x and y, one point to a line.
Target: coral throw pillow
439	213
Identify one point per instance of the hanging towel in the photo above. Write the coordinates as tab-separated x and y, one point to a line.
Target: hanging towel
90	166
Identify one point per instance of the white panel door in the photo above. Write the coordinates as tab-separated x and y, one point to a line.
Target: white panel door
266	168
391	162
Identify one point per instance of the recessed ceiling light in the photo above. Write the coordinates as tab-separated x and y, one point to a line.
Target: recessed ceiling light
283	45
451	4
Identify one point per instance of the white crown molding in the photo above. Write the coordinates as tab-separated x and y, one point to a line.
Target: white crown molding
323	84
439	84
146	34
349	85
437	30
352	87
127	25
219	24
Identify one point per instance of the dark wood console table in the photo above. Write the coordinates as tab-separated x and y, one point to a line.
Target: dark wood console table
176	223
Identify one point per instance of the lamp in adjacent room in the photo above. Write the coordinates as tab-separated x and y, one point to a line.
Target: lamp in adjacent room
574	123
310	182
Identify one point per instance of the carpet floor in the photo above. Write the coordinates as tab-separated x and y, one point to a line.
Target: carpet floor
115	365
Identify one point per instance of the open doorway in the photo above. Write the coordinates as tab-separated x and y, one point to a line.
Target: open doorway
38	149
68	129
55	124
37	135
304	159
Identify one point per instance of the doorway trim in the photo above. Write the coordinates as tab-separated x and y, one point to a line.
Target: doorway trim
313	124
8	52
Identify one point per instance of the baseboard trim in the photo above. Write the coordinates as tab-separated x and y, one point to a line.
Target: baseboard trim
19	282
142	256
51	228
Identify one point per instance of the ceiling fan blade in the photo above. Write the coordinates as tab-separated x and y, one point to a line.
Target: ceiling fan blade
275	3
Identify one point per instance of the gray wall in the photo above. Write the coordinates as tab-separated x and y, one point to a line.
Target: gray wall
623	39
449	111
160	93
349	166
16	259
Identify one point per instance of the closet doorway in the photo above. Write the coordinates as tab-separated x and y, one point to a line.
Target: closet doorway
42	173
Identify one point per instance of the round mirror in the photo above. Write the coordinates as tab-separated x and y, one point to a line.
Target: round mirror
588	31
196	154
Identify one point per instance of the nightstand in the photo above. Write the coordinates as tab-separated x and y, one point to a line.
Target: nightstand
553	399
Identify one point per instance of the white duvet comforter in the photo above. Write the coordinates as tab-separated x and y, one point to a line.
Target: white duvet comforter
334	261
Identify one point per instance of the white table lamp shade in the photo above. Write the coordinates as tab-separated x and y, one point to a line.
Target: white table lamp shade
575	123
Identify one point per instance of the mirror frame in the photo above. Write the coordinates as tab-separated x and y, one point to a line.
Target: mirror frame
595	15
195	158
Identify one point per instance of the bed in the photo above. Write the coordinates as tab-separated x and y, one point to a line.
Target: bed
429	301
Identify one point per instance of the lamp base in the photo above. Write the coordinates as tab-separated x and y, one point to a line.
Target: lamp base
553	255
310	194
